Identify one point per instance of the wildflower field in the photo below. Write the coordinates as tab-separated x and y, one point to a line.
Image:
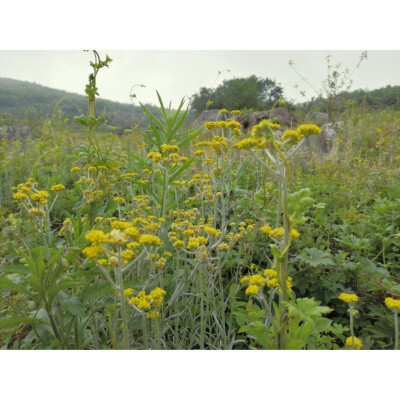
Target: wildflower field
200	237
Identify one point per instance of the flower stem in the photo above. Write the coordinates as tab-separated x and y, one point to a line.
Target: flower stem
352	328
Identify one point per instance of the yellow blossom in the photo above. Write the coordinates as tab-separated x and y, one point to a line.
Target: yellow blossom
128	292
252	289
57	188
150	240
357	342
350	299
392	304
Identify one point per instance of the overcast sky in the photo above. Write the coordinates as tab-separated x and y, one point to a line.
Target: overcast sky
176	74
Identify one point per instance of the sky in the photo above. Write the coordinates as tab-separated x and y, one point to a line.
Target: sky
178	74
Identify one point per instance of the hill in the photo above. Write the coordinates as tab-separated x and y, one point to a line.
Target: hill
26	102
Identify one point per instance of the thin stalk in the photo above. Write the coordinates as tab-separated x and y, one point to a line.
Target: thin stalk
202	327
145	333
123	302
352	328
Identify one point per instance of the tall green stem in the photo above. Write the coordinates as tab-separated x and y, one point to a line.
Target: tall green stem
123	302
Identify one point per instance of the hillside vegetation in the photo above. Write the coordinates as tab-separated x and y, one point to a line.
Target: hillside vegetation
25	102
177	238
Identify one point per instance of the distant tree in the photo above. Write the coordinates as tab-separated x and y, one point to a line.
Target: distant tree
238	93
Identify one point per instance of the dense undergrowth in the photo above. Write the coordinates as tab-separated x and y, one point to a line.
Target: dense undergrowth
191	238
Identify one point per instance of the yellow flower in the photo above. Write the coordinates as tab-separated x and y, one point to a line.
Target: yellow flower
246	144
245	280
117	237
308	130
252	289
357	342
277	232
19	195
75	169
57	188
193	244
40	196
150	240
96	237
132	232
223	111
93	251
179	244
158	296
168	148
270	273
257	280
266	229
128	292
120	225
152	315
155	156
293	137
295	234
37	212
235	112
350	299
210	231
127	255
119	200
392	304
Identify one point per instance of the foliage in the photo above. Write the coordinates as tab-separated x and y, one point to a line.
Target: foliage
171	238
238	93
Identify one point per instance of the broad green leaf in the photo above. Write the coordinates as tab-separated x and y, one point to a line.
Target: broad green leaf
8	323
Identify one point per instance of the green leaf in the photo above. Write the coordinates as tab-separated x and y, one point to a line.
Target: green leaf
182	169
306	309
73	306
316	258
6	283
276	251
8	323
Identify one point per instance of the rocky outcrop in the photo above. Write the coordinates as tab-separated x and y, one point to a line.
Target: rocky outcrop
248	121
316	118
283	116
211	115
15	132
323	146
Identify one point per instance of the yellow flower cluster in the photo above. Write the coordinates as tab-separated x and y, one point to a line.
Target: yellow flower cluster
308	130
119	200
37	212
168	148
150	240
40	196
264	127
392	304
269	278
210	231
57	188
350	299
216	144
155	156
229	124
146	302
357	342
291	136
246	144
278	232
